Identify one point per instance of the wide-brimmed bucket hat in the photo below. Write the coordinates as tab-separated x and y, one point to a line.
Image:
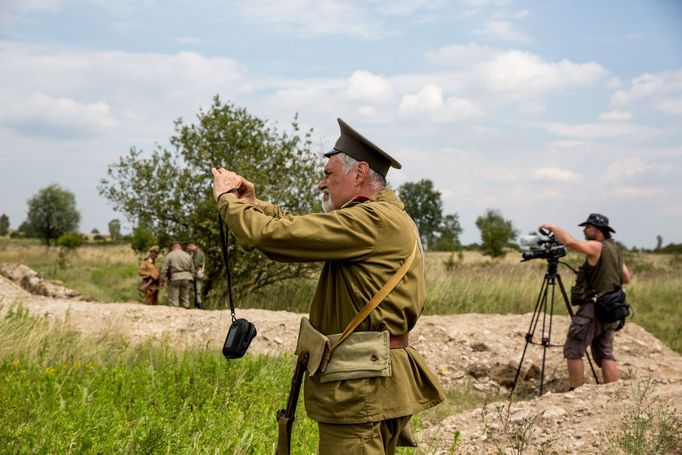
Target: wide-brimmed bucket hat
598	220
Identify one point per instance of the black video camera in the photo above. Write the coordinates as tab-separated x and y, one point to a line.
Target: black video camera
541	246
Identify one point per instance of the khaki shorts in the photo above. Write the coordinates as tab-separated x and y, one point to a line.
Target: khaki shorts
586	330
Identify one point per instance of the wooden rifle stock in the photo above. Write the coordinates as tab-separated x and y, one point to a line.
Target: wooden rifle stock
285	417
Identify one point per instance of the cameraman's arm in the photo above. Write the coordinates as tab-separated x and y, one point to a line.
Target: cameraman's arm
591	248
627	276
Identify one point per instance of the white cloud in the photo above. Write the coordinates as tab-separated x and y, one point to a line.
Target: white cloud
566	144
531	107
462	55
60	115
503	30
367	112
408	7
670	106
365	86
27	5
639	191
430	102
93	91
596	130
648	86
188	40
525	73
616	115
629	168
555	174
312	17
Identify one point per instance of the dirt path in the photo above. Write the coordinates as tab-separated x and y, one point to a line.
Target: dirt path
482	350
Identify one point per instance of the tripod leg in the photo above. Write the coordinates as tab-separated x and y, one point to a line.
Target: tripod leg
547	341
539	305
570	312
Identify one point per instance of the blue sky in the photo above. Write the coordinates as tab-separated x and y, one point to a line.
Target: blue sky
544	110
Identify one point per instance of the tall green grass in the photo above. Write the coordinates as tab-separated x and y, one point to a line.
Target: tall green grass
472	284
63	393
104	273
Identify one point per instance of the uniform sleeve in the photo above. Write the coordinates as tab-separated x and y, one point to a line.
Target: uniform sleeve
346	234
273	210
143	270
164	270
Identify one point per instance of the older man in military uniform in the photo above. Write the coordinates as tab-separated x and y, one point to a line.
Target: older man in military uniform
149	277
363	239
603	271
178	272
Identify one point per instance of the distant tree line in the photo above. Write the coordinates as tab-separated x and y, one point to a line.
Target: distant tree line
167	196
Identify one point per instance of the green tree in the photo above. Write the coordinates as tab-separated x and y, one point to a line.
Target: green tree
4	224
659	243
142	239
52	212
496	233
171	189
115	229
448	234
68	243
424	205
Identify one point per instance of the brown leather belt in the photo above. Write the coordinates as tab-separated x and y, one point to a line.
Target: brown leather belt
399	341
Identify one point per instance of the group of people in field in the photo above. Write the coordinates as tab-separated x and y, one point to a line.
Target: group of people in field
182	273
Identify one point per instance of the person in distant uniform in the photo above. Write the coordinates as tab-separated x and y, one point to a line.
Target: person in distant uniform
177	272
150	280
603	271
363	239
199	260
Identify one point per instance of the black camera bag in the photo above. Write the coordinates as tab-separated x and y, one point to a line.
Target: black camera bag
612	307
241	331
238	338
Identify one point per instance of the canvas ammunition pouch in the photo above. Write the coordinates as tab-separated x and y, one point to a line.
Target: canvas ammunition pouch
361	355
350	354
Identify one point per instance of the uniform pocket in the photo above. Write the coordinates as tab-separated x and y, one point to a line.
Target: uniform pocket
361	355
580	328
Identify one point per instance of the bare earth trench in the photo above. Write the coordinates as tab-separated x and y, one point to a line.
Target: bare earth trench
481	350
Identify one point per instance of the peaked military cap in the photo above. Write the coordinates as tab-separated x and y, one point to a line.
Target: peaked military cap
357	146
598	220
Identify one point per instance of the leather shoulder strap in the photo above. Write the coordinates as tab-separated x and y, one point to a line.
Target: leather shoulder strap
376	300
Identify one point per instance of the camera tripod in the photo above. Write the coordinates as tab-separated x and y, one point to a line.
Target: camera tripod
552	277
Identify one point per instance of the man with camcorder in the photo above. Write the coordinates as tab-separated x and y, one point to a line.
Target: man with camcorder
603	272
362	385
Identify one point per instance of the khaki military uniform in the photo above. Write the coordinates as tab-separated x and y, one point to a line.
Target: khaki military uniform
178	271
362	245
199	260
149	282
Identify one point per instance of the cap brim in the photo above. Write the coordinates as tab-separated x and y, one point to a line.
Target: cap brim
599	226
360	148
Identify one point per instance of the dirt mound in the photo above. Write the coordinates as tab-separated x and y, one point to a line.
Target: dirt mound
480	350
34	283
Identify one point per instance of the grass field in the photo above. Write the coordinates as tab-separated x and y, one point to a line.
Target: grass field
474	284
63	393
